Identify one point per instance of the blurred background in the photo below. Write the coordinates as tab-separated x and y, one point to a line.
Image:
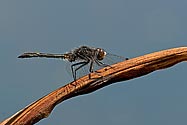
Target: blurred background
128	28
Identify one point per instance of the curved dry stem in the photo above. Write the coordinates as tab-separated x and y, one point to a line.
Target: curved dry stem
125	70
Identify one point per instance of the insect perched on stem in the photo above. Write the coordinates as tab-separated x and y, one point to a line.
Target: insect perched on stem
79	57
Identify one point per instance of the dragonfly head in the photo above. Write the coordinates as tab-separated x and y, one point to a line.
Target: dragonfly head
100	53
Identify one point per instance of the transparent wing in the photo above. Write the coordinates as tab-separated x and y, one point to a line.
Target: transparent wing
112	59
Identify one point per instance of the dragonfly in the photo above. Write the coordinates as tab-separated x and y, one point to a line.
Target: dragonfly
79	58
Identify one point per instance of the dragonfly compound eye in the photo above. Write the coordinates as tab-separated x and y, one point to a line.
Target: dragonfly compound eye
101	54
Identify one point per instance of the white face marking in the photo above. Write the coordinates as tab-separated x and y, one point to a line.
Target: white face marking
105	53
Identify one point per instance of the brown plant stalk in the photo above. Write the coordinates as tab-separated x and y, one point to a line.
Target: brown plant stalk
121	71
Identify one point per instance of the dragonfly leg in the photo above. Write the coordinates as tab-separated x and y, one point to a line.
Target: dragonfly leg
101	63
74	71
